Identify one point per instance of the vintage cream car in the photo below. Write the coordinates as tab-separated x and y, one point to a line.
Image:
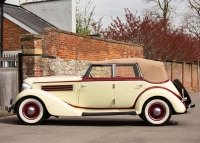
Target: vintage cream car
131	86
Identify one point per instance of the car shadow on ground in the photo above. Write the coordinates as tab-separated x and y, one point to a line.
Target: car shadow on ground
85	121
100	122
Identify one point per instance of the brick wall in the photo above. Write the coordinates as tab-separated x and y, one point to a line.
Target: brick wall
66	45
11	35
187	73
58	52
32	55
194	77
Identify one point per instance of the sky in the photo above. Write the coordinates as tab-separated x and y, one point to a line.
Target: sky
114	8
107	8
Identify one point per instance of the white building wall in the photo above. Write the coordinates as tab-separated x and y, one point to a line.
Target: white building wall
60	13
14	2
18	2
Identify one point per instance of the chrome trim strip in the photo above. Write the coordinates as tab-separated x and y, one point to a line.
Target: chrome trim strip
114	70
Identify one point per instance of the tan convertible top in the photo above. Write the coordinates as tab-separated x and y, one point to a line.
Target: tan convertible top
153	71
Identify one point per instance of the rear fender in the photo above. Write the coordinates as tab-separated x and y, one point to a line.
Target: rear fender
54	105
162	93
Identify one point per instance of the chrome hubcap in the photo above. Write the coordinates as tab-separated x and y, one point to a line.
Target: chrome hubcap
157	111
31	111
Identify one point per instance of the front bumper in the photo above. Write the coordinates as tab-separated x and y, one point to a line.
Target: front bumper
9	109
190	106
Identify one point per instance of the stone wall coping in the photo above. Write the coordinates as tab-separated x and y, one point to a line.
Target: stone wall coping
50	29
31	36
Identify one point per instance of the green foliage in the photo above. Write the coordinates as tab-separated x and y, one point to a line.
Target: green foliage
84	16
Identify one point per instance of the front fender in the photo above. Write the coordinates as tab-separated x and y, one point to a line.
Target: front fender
160	92
54	105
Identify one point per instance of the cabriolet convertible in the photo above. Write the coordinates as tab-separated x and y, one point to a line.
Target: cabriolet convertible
131	86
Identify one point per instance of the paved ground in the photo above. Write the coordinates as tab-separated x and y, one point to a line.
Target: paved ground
115	129
4	113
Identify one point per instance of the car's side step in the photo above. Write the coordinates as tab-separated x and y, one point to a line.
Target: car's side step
107	113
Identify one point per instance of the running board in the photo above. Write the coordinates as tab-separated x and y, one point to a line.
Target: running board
107	113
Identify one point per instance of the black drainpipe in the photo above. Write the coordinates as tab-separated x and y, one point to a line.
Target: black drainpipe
1	27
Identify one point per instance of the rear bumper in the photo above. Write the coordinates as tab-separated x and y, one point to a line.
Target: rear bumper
186	111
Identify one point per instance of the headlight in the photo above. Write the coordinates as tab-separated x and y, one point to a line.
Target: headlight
26	85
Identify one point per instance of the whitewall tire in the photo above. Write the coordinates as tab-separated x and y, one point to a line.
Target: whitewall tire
31	111
156	112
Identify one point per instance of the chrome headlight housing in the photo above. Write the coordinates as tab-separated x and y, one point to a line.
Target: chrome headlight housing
26	86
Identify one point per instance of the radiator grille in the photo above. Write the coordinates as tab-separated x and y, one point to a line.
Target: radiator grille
58	88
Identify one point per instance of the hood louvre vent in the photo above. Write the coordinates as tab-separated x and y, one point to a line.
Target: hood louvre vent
58	88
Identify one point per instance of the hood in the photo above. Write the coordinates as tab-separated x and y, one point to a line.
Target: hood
32	80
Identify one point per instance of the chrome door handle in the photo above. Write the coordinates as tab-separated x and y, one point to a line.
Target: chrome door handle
83	86
114	101
139	85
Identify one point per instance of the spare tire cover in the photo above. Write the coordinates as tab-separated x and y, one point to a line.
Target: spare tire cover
179	87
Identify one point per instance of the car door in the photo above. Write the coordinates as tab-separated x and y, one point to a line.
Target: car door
96	89
128	85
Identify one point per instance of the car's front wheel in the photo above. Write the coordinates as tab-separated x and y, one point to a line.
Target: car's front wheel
156	112
31	111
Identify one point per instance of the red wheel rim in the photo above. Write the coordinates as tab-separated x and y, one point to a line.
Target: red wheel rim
31	110
157	111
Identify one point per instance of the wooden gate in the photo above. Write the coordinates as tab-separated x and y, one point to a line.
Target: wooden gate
9	83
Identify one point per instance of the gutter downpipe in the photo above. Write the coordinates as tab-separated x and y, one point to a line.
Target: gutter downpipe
1	28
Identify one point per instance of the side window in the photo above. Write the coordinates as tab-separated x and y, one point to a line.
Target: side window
101	71
127	71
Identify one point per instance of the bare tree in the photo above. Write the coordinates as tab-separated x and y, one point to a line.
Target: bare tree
162	8
195	5
97	27
192	18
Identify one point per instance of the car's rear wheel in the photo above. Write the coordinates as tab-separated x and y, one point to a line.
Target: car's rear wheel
31	111
156	112
47	116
